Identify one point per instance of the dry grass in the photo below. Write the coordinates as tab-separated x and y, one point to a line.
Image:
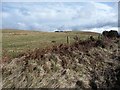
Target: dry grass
18	41
84	64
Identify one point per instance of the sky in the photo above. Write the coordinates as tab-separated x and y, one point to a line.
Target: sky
51	16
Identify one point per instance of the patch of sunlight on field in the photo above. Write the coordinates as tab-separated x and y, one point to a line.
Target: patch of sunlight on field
17	41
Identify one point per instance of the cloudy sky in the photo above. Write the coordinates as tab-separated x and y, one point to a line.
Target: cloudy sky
49	16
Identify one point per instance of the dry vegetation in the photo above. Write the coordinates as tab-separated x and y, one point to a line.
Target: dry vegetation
19	41
90	63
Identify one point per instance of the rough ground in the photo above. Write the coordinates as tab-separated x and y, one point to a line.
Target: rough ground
85	64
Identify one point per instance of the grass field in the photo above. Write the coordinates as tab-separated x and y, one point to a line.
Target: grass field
18	41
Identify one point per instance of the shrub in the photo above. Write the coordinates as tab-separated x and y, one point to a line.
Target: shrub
91	38
100	43
110	34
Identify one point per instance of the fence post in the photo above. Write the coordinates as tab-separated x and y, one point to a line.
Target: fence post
67	40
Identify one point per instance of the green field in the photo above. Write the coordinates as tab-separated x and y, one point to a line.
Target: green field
15	42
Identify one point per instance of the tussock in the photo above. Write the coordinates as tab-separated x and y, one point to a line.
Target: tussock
84	64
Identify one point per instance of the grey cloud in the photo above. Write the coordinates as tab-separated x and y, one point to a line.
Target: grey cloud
49	16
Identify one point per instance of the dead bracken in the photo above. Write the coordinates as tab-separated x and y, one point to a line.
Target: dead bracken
92	63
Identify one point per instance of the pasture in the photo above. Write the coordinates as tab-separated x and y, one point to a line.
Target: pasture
15	42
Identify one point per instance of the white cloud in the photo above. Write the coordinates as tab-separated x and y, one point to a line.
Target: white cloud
49	16
100	30
101	6
21	25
